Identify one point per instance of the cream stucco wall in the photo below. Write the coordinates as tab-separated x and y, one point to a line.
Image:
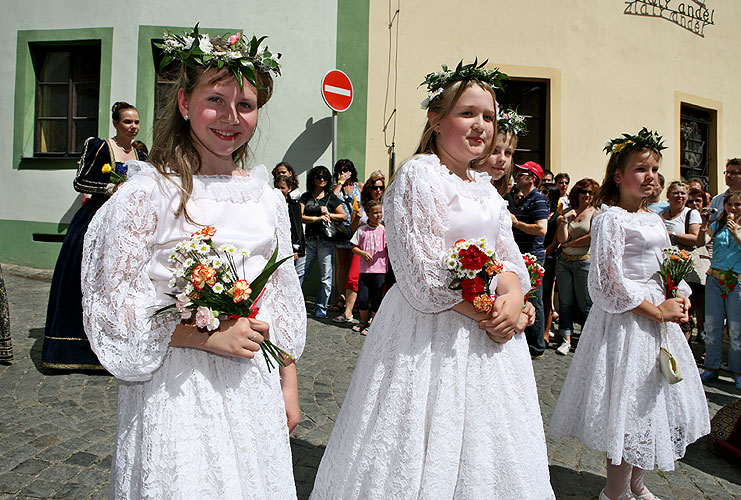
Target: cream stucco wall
610	72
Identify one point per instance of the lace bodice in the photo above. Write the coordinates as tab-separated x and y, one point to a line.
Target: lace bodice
426	209
625	256
125	271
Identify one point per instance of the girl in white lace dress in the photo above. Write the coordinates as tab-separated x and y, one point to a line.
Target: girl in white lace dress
615	398
199	414
443	403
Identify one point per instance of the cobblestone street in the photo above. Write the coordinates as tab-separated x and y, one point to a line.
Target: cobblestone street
56	429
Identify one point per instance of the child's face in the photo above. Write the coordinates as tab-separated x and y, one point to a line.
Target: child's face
500	161
222	116
733	206
283	188
640	177
375	215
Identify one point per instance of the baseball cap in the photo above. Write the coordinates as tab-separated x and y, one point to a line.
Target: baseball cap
532	168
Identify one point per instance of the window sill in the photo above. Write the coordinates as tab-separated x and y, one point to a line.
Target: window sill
47	163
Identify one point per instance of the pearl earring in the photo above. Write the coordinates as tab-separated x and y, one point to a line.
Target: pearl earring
186	117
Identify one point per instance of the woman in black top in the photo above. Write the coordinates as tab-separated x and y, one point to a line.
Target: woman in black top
320	205
65	344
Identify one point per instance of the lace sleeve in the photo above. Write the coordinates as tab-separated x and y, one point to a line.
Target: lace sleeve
508	251
286	312
416	214
118	298
608	287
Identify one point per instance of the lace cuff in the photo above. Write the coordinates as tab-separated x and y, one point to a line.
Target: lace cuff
608	287
283	299
118	298
416	216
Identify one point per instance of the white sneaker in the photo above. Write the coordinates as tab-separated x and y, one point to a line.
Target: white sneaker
564	348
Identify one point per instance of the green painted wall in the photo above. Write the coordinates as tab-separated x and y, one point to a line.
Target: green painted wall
352	58
17	245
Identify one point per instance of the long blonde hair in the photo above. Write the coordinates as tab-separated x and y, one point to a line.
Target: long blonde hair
174	152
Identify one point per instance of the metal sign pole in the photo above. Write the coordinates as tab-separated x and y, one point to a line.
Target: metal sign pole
334	138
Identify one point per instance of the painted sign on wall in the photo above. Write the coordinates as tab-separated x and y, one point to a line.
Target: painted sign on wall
692	15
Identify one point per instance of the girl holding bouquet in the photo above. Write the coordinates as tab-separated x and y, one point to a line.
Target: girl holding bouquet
615	398
200	415
425	385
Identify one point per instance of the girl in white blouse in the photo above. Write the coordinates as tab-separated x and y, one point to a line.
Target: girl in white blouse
200	415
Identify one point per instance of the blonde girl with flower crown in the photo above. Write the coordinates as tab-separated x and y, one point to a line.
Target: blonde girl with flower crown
443	403
200	415
615	398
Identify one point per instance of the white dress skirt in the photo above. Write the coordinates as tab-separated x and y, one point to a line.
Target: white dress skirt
614	398
436	409
191	424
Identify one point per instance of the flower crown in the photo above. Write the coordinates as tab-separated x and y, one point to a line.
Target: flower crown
244	58
645	139
510	121
474	71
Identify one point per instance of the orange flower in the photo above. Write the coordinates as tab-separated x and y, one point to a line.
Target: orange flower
482	303
240	291
203	275
459	241
494	267
675	257
204	234
684	254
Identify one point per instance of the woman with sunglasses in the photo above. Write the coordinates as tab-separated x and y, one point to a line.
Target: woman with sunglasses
347	188
574	233
372	191
319	205
562	181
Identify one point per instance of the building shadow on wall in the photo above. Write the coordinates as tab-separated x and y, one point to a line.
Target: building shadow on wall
71	211
306	149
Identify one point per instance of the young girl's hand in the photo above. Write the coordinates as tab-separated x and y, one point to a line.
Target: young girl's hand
240	338
732	226
368	257
675	310
504	316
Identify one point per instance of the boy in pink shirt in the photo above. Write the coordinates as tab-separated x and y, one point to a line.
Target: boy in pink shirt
369	242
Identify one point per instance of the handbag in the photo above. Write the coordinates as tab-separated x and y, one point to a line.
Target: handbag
668	363
335	231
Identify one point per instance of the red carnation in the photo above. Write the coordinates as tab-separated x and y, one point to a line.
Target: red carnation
472	288
472	258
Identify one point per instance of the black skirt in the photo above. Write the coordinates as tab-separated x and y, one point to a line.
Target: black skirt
65	344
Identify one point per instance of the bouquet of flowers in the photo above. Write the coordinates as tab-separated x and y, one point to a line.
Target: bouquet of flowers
206	285
118	172
728	281
675	267
535	271
473	265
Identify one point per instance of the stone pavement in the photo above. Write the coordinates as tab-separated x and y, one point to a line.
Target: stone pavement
56	429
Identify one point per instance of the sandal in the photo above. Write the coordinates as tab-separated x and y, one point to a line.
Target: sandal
341	319
360	328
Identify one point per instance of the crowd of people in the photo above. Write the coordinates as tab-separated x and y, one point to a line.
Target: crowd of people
201	414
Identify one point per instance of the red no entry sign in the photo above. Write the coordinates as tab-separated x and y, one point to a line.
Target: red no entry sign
337	90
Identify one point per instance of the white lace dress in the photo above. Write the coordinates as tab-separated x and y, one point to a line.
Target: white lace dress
191	424
436	409
615	398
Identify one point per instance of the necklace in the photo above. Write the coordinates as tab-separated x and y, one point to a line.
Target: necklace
127	151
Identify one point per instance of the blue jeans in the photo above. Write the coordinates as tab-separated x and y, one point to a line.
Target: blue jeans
323	252
718	309
534	333
571	277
